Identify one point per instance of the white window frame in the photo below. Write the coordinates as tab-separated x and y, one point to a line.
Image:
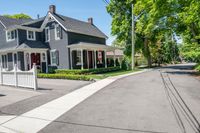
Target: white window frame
55	30
56	56
47	28
7	37
27	33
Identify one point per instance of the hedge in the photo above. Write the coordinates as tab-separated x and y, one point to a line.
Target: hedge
197	67
63	76
87	71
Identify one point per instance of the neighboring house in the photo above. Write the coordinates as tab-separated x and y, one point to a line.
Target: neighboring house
118	54
115	57
52	41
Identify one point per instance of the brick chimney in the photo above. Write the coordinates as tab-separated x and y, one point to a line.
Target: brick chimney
52	9
90	20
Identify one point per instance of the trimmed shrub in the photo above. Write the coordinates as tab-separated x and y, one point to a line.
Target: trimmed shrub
87	71
63	76
197	67
52	69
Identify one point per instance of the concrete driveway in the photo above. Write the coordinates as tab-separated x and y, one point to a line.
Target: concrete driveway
136	104
16	101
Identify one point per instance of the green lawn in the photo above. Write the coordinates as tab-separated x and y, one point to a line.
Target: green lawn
86	77
111	74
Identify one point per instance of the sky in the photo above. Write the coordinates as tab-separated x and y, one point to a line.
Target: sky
79	9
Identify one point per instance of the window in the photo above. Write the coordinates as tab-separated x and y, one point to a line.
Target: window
47	34
54	57
4	61
78	59
30	35
57	32
10	35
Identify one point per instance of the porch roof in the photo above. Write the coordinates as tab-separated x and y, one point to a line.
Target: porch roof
28	45
91	46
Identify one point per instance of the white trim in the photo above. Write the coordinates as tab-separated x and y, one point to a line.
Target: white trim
105	58
27	34
3	24
17	37
53	64
82	67
95	59
57	21
55	32
47	28
9	40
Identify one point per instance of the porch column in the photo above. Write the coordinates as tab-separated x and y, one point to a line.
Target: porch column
0	61
47	69
71	65
88	59
29	60
105	58
82	59
25	62
114	59
95	59
41	60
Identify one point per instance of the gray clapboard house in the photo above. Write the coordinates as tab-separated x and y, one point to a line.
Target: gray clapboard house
52	41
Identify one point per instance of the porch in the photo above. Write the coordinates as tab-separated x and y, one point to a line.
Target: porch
89	56
24	56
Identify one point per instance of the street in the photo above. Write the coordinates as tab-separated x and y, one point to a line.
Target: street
133	104
140	103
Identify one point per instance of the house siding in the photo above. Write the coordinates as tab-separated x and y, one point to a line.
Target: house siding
76	38
3	42
60	45
23	36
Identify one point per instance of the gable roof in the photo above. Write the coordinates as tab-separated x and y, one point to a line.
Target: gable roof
69	24
77	26
32	44
10	21
25	45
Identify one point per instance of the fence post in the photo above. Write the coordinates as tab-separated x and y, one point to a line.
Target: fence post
15	75
35	76
1	75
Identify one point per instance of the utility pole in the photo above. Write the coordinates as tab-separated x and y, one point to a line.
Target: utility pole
133	39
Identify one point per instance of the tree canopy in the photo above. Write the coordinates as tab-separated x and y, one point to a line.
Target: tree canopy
18	16
158	26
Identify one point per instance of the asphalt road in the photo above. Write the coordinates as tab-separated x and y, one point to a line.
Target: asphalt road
135	104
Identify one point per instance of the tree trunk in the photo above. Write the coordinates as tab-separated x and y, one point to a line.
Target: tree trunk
147	52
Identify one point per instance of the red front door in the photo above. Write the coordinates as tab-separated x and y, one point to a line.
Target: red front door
35	58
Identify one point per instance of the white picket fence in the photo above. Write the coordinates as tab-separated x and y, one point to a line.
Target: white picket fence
18	78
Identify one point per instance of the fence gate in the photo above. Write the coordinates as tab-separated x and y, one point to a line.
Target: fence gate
19	78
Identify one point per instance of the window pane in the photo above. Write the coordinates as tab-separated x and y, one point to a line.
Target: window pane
12	34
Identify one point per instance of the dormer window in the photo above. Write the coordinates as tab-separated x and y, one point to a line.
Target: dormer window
58	33
10	35
30	35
